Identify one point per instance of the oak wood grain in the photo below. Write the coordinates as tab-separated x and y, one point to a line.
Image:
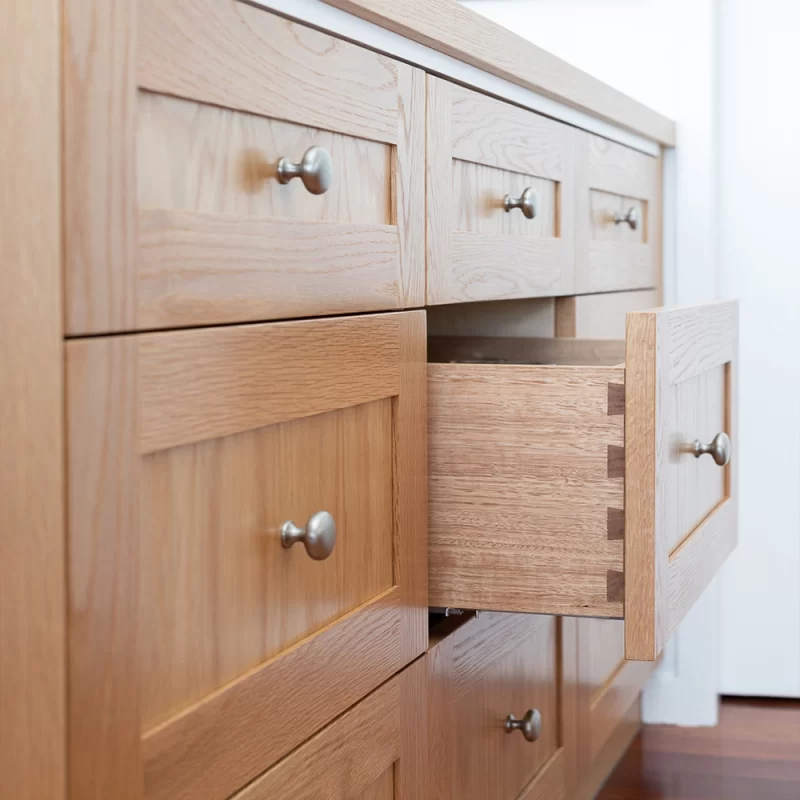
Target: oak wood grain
197	157
478	195
498	267
103	550
33	713
524	350
200	268
219	595
611	179
206	638
374	751
507	529
99	62
203	384
454	30
479	150
600	316
236	56
478	673
606	681
593	778
678	390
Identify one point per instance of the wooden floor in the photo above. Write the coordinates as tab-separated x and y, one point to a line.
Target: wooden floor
754	754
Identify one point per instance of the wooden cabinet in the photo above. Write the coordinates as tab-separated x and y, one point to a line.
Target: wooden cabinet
559	484
618	217
218	649
491	667
480	151
375	751
188	223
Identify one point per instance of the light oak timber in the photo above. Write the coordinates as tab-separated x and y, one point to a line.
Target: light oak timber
33	735
478	672
446	26
609	687
611	179
188	451
100	55
513	429
524	350
600	316
479	150
681	357
211	268
596	774
374	751
507	530
196	227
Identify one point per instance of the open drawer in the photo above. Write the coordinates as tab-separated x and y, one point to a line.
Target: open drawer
563	475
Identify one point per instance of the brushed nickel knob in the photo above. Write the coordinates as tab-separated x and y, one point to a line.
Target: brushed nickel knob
631	218
719	448
526	202
318	536
315	170
530	724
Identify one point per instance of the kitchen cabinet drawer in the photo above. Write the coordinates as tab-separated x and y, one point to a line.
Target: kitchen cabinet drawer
219	232
491	669
375	751
618	218
222	637
561	480
482	151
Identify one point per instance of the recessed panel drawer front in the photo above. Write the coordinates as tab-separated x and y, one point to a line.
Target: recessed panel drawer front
500	199
502	702
279	172
618	219
565	482
374	751
247	540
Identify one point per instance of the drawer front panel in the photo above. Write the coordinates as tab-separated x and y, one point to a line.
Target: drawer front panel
480	151
239	647
618	221
561	486
680	517
211	233
492	667
374	751
216	599
609	685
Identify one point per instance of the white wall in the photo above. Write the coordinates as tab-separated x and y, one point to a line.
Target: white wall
662	52
759	235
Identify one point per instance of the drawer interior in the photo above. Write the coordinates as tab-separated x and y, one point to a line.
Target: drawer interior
526	474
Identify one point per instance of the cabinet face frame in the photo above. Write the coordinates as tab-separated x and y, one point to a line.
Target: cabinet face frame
134	268
122	405
447	677
466	126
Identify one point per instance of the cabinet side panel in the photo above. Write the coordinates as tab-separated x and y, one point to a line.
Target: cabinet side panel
32	696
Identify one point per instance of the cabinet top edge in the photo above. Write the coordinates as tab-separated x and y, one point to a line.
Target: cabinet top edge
455	42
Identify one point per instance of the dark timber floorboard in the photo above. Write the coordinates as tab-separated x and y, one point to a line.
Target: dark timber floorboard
754	754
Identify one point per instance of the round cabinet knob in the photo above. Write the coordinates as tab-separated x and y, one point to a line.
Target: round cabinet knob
315	170
530	724
318	536
719	448
526	202
631	218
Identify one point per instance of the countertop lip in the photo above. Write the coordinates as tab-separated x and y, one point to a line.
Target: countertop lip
460	32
